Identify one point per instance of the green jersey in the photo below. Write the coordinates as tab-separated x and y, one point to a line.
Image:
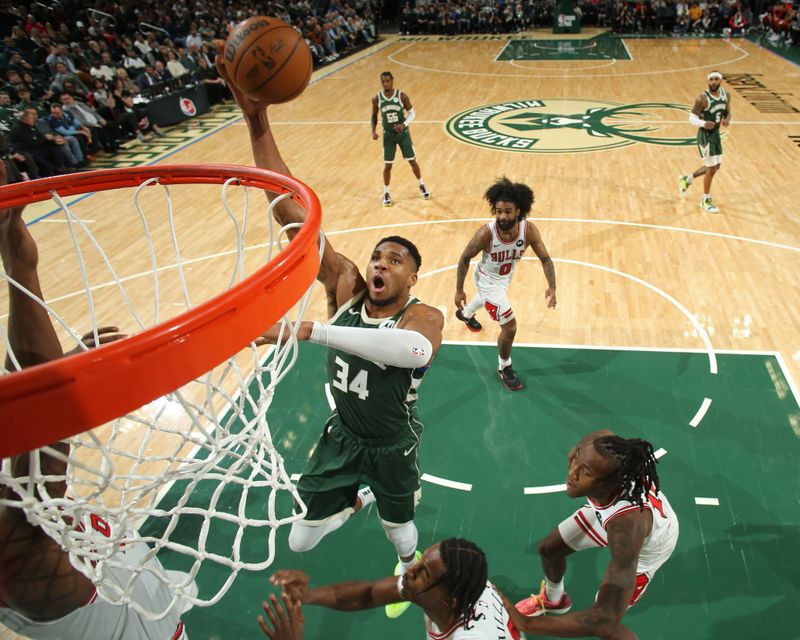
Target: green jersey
391	109
717	108
374	401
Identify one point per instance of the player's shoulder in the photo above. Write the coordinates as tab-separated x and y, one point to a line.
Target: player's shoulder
419	310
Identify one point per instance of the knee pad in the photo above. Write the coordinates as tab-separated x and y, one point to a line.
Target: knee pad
304	538
403	536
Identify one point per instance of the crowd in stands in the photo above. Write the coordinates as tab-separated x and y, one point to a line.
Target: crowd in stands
679	17
75	81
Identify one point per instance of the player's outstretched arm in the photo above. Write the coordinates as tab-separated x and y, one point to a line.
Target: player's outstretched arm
477	243
284	623
626	534
537	244
425	320
344	596
337	273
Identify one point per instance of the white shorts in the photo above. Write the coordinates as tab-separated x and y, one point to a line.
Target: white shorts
712	161
582	530
494	296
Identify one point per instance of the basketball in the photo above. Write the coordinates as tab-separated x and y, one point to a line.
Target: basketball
267	59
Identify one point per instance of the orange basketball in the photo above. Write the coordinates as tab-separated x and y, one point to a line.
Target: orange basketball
267	59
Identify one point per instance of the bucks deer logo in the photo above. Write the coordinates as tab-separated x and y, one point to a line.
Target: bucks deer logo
567	125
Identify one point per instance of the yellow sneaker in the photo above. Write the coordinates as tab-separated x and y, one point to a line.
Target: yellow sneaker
397	609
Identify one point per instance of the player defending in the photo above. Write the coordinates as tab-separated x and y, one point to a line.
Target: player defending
503	241
627	513
712	108
41	594
381	341
449	583
392	103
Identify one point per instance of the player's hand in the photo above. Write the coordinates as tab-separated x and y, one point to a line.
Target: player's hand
517	619
726	122
274	334
105	335
283	624
293	582
249	107
550	296
709	125
374	135
17	248
399	127
460	299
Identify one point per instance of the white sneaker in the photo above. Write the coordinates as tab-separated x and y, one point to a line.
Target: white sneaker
707	205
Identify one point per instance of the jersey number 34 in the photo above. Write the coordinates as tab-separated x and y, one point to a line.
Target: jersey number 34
342	382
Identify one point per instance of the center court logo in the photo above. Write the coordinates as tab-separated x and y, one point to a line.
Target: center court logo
567	125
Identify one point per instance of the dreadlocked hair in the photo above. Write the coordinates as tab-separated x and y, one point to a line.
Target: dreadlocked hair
636	472
465	574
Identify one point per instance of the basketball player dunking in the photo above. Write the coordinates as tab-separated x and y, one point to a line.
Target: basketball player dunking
380	342
711	109
502	241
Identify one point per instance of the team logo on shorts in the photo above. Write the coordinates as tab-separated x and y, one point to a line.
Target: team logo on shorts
568	125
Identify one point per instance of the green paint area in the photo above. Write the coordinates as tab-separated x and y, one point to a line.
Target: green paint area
733	574
601	47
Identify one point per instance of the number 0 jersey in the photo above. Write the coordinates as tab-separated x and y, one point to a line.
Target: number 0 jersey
374	401
498	262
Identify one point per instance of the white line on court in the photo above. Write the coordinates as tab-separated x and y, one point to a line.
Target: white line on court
444	482
564	74
701	412
515	63
708	502
552	488
625	44
329	396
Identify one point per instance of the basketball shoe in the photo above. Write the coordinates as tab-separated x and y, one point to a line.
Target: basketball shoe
683	184
539	605
510	378
426	195
397	609
472	324
709	206
387	200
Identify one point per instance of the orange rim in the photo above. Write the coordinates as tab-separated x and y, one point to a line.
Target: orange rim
49	402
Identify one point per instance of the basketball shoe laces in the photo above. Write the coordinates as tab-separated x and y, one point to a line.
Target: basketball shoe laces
541	598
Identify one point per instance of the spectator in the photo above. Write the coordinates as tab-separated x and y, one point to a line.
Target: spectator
26	138
127	83
133	117
193	38
66	125
174	66
19	166
102	130
149	78
63	75
133	63
215	86
8	112
695	17
26	102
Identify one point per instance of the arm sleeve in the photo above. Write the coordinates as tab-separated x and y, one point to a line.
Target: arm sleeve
696	120
409	117
393	347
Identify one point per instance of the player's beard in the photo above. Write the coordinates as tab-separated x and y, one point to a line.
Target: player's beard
506	225
382	303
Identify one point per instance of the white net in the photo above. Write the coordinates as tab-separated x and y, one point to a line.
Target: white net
194	474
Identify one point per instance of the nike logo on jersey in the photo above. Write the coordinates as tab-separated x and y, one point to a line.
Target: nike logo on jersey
405	453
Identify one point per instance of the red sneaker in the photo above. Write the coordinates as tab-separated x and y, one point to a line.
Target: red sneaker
539	605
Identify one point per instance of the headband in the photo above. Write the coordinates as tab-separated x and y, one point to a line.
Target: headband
714	74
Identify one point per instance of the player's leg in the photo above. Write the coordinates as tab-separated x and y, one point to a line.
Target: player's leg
328	488
410	154
389	152
499	308
467	314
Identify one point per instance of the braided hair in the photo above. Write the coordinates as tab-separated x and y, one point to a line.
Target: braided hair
636	470
465	574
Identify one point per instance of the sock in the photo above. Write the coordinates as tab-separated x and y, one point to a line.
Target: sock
706	196
553	590
366	496
386	189
689	179
405	565
420	182
502	364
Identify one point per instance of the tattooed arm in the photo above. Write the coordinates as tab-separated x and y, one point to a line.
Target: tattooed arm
536	243
626	533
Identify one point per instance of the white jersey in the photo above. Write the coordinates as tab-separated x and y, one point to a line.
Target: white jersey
99	620
498	262
489	621
657	547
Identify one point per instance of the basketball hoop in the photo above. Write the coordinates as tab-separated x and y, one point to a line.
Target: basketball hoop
208	387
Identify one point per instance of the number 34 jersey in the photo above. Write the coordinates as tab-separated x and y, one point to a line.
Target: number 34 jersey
374	401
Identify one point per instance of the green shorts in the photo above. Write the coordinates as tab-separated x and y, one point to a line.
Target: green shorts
709	143
342	461
390	142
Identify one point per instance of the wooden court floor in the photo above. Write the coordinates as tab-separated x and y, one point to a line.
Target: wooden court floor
637	265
